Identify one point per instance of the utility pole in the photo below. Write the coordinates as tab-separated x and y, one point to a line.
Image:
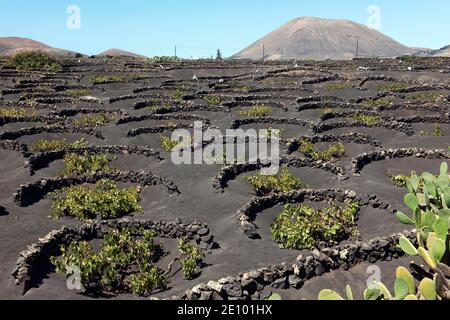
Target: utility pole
357	48
264	52
175	51
357	44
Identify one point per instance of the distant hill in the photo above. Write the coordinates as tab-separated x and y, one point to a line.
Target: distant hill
12	45
314	38
443	52
120	53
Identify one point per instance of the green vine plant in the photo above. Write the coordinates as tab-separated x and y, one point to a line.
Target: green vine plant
336	86
426	96
178	94
400	180
160	59
53	145
334	151
126	263
213	100
87	163
393	86
437	131
428	198
260	110
168	144
325	111
103	199
191	256
82	92
303	227
106	79
223	160
33	60
381	102
273	133
16	113
123	263
367	120
97	120
264	185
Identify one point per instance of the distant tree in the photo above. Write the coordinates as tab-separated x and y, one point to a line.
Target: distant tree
219	55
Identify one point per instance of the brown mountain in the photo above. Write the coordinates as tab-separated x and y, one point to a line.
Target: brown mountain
120	53
12	45
314	38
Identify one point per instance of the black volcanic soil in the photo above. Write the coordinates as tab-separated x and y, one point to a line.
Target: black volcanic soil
237	82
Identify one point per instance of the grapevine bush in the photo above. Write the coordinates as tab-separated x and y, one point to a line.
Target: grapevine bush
104	199
86	164
335	150
267	184
123	263
303	227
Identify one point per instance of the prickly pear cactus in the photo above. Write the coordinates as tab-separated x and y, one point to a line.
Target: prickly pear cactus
404	289
429	200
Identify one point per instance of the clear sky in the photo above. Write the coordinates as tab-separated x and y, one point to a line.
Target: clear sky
199	27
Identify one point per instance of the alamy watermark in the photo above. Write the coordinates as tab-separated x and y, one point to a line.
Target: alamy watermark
73	281
374	278
374	19
74	19
236	146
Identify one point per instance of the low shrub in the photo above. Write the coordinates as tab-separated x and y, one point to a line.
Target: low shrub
222	159
267	184
335	150
159	59
393	86
381	102
178	94
191	257
437	131
335	86
409	58
93	120
426	96
33	60
274	133
325	111
368	120
85	202
168	144
137	76
78	92
52	145
105	79
149	279
85	164
242	88
304	227
123	263
398	180
257	111
16	113
213	100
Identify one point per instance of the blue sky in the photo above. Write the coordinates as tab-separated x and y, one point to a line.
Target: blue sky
199	27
